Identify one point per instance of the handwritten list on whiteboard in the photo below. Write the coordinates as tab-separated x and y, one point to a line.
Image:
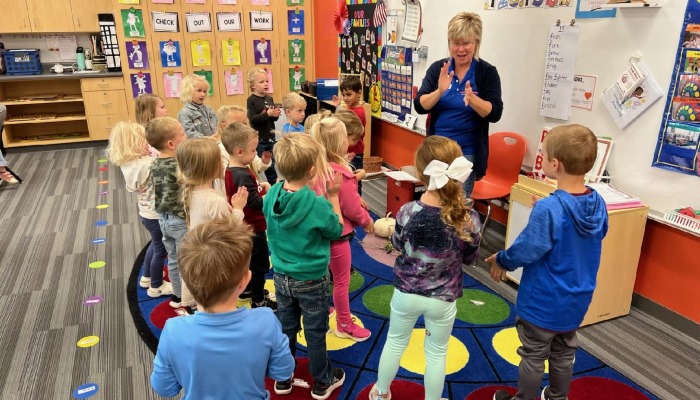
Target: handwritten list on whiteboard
559	68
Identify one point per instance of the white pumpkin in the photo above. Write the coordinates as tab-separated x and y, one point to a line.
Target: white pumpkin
384	227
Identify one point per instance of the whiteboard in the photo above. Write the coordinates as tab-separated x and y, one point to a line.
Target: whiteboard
515	42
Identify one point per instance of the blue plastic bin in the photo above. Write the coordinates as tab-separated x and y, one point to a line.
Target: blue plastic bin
23	62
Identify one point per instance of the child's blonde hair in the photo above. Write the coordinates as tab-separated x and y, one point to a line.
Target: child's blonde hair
453	209
352	123
236	136
332	135
253	73
296	153
146	105
187	86
221	115
575	146
292	100
313	118
160	130
199	162
214	258
127	142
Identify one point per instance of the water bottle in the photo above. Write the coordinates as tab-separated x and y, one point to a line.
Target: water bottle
80	58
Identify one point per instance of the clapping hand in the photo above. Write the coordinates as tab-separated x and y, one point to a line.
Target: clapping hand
266	157
445	79
468	94
240	198
333	185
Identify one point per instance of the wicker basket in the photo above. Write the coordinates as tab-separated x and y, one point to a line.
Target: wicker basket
372	164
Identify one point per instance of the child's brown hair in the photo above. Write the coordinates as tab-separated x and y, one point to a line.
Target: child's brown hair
351	82
160	130
236	136
352	123
295	155
146	107
575	146
198	161
214	258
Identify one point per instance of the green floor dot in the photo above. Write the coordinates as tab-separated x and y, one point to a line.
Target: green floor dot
378	300
102	160
493	310
356	282
97	264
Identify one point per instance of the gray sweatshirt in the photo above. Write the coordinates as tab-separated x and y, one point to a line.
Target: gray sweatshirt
197	120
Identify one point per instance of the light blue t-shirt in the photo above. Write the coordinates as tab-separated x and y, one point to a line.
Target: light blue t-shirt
221	356
289	128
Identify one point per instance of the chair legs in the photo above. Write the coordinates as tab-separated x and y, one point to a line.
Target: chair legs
486	221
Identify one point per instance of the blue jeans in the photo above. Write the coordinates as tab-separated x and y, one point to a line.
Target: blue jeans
156	253
173	228
469	183
308	299
270	173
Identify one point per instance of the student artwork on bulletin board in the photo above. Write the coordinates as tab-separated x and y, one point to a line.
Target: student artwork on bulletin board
170	54
163	1
128	1
295	2
141	84
270	88
234	82
295	22
209	76
263	51
137	54
196	1
231	52
171	84
678	143
260	2
397	79
359	50
297	75
296	51
201	53
133	23
229	2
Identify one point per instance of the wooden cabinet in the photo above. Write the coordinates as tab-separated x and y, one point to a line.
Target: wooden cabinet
85	14
19	20
101	125
105	105
50	16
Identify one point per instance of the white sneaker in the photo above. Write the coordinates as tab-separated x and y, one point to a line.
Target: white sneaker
165	289
145	282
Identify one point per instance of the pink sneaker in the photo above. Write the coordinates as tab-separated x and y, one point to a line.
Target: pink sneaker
353	331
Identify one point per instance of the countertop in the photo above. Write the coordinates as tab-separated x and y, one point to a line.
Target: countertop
48	75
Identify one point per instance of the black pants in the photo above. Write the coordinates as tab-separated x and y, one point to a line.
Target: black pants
259	267
267	145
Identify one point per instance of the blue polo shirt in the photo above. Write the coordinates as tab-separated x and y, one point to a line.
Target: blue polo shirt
456	121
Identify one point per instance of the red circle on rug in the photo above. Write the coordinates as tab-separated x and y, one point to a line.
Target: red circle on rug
399	390
161	313
594	387
103	169
298	392
487	392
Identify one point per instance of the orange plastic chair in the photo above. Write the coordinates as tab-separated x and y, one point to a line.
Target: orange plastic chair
506	154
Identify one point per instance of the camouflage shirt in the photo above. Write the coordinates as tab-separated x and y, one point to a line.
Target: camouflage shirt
167	191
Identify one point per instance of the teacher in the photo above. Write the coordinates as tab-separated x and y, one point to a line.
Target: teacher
462	93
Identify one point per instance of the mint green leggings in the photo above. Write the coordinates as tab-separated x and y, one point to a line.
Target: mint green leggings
439	318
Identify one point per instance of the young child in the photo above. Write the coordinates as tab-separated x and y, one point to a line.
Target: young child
149	106
313	118
165	134
332	135
241	142
351	89
355	131
295	109
559	251
198	162
128	150
262	114
435	236
225	116
300	226
237	347
197	118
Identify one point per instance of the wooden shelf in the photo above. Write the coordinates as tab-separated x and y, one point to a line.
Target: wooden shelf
85	137
47	101
45	120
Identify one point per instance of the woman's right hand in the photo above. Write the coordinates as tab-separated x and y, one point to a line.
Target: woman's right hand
445	79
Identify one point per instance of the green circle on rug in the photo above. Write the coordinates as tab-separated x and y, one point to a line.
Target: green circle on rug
356	282
481	308
378	300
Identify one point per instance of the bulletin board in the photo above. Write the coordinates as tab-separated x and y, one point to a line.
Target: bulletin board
359	51
515	42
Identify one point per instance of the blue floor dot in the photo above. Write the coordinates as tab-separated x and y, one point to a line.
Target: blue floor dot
101	222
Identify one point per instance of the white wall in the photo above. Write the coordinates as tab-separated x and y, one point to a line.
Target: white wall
515	42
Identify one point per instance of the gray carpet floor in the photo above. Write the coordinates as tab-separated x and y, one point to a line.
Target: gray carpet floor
46	228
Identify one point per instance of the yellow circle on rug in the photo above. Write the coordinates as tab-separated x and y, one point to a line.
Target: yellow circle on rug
88	341
506	343
97	264
332	342
414	357
269	285
102	206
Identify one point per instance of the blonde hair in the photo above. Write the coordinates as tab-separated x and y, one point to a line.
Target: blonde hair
127	142
296	153
575	146
253	73
313	118
146	105
332	135
187	86
466	26
352	123
292	100
214	259
221	115
160	130
199	162
453	209
236	136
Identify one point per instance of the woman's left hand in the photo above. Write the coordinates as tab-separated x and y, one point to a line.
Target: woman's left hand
469	95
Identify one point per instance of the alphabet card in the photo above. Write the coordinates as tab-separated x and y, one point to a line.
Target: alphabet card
133	23
296	51
201	52
137	53
297	75
210	79
141	84
584	89
234	82
165	22
231	50
198	22
260	20
171	83
295	19
170	54
228	22
263	51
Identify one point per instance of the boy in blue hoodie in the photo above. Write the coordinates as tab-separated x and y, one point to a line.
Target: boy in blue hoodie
300	227
559	251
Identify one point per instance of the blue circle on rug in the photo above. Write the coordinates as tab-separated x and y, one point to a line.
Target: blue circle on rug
98	240
86	390
101	222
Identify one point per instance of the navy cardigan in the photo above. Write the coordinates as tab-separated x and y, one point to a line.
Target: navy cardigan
489	84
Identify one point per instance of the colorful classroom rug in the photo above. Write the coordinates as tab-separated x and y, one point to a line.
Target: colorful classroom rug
482	354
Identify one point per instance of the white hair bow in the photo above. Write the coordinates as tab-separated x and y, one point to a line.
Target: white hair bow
440	173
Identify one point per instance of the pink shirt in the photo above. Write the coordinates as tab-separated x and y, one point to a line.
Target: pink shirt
353	213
